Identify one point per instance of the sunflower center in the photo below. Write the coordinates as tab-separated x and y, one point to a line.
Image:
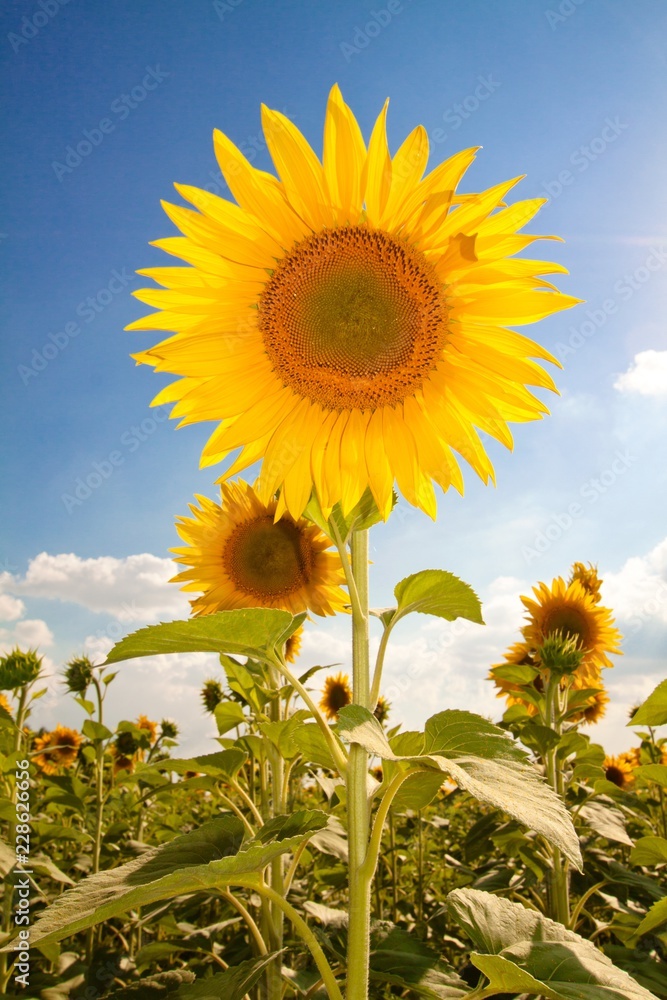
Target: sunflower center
267	559
353	318
615	774
570	622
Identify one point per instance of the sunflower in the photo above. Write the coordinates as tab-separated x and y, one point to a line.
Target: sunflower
572	610
240	556
121	762
588	578
336	695
293	646
381	711
143	722
595	708
347	321
59	748
618	770
4	703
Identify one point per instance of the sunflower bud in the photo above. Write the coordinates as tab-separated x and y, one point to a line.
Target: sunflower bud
561	654
211	695
79	674
126	745
18	668
168	729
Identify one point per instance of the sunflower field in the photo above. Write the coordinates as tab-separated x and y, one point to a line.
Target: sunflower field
347	324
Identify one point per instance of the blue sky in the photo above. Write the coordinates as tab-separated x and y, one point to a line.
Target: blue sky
570	93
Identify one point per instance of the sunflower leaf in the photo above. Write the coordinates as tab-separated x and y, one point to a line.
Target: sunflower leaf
481	759
437	592
520	951
652	772
228	715
649	851
209	857
246	632
652	712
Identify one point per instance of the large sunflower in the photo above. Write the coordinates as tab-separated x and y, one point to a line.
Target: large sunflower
240	556
347	322
574	611
59	748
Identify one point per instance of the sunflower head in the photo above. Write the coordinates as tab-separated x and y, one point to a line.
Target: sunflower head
336	695
347	322
168	729
381	711
588	577
239	554
148	726
574	613
211	695
293	646
126	745
619	771
121	762
5	704
79	674
18	668
57	749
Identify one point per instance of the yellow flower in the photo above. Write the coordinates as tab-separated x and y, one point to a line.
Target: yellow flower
120	761
572	610
293	646
382	709
588	578
59	748
239	556
347	322
618	770
143	722
4	703
595	708
336	695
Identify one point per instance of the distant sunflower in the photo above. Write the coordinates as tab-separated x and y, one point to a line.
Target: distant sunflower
588	577
619	771
293	646
150	727
240	556
347	322
59	748
5	703
336	695
211	695
381	711
595	708
570	609
121	762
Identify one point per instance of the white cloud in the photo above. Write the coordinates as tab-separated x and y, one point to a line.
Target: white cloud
10	608
30	633
647	374
638	591
135	588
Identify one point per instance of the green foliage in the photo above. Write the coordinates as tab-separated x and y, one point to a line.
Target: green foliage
437	592
653	712
19	668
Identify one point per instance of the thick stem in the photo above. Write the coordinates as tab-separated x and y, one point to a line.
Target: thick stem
277	776
357	791
558	887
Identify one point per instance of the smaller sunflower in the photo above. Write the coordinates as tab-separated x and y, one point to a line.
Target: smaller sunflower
336	695
588	577
121	762
382	710
59	748
211	695
143	722
240	556
595	709
4	703
293	646
572	610
618	770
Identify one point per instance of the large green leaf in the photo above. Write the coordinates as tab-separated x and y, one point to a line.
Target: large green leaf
524	952
247	632
224	764
649	851
437	592
653	712
232	984
652	772
204	859
607	821
656	917
228	715
311	742
497	773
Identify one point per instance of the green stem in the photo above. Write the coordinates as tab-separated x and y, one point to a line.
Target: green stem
358	953
252	926
277	772
334	746
558	887
302	929
379	663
